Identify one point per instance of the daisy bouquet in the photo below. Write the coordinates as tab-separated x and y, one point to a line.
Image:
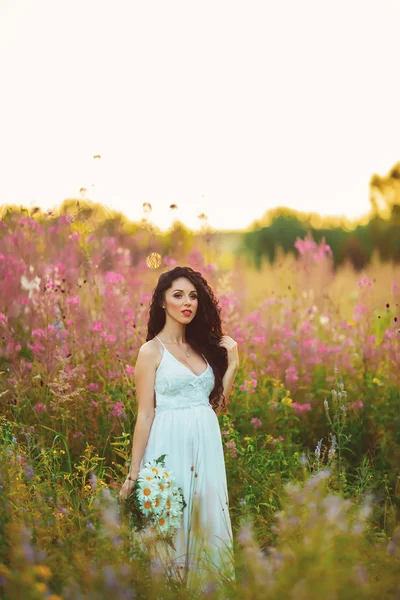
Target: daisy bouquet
156	501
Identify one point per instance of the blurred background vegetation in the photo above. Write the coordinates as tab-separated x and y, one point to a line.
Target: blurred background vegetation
352	242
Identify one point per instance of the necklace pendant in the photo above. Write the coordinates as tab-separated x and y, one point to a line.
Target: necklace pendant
187	354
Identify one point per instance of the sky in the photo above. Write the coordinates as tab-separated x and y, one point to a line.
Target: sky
222	107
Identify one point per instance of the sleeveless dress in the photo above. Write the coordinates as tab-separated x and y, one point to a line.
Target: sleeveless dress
186	429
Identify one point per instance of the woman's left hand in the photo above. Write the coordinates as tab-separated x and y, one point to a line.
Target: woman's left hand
232	349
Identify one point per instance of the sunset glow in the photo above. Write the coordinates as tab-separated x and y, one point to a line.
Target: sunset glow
222	108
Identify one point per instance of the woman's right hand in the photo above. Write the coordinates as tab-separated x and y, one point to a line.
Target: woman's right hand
127	487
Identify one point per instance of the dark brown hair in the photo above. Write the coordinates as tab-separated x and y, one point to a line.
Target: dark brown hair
203	333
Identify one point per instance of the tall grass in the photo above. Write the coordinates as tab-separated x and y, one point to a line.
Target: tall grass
311	437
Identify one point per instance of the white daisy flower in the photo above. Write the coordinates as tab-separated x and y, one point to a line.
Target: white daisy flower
147	474
159	504
173	505
146	507
162	523
166	474
175	522
146	491
154	467
163	486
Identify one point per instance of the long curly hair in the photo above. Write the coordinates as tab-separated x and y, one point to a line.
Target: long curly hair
203	333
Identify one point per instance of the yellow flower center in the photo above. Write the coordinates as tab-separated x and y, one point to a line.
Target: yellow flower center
147	491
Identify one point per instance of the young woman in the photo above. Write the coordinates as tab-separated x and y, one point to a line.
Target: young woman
184	375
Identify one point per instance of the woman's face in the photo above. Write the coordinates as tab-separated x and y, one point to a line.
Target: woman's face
179	298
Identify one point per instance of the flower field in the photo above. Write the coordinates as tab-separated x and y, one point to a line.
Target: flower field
311	436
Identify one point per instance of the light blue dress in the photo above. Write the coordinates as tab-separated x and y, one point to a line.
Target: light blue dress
186	429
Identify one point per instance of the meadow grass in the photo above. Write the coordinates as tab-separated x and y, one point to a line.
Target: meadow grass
311	436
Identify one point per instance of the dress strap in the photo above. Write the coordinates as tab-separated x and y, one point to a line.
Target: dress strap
159	340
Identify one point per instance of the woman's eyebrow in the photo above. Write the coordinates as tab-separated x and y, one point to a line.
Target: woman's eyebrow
189	292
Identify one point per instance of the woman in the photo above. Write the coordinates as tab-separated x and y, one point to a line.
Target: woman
184	374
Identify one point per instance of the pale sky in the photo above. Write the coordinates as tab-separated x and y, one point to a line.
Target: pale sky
223	107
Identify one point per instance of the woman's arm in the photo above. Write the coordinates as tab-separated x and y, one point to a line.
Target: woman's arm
227	382
145	370
233	364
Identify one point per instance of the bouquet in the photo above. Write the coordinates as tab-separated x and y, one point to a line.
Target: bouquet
156	501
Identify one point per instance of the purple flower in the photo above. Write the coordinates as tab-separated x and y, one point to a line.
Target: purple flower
28	472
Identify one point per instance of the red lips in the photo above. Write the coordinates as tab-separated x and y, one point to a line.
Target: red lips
189	312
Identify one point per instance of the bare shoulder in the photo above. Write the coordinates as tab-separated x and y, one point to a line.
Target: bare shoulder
150	352
149	349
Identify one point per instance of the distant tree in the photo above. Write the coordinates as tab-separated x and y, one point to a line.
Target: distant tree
385	193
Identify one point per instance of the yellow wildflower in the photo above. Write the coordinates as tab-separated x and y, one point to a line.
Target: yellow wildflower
4	570
287	401
247	438
42	571
41	587
376	380
269	438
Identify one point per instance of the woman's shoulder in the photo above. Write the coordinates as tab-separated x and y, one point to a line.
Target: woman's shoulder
149	348
150	351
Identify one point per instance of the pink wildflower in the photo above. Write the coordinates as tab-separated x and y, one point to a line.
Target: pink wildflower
301	407
357	404
291	374
40	407
232	446
118	410
249	385
256	422
364	282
